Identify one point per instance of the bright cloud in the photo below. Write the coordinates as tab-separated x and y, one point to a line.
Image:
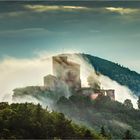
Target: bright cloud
122	10
43	8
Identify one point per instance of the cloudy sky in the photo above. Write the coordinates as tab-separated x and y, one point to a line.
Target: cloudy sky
110	30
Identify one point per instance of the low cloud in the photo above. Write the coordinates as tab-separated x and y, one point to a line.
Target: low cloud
121	92
16	73
20	73
120	124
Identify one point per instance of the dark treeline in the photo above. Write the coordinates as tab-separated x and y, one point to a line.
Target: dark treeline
116	72
29	121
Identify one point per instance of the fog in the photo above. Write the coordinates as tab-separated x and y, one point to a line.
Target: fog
30	72
121	92
20	73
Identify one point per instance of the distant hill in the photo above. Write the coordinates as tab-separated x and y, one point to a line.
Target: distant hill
122	75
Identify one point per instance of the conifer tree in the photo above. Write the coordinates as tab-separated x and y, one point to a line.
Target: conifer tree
128	103
88	134
127	135
102	132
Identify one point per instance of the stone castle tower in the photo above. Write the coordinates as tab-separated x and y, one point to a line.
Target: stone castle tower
67	71
64	70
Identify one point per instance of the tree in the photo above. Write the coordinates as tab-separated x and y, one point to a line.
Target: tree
38	124
88	134
138	103
128	103
38	112
127	135
3	105
102	132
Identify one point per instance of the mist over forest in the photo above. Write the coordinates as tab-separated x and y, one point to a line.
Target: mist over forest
83	110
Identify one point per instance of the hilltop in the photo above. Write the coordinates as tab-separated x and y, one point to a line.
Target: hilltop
61	93
116	72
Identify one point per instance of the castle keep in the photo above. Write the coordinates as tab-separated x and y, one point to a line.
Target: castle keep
67	72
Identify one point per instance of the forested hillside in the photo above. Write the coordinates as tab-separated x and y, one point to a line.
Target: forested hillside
116	72
110	118
29	121
116	117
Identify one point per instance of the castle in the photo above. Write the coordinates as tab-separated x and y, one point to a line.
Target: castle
68	72
64	71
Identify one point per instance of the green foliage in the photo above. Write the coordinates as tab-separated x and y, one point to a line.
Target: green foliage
103	133
128	103
116	117
103	111
122	75
128	135
29	121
